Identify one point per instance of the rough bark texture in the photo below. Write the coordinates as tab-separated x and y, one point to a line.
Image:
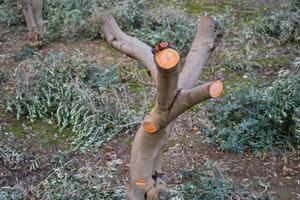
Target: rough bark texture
175	94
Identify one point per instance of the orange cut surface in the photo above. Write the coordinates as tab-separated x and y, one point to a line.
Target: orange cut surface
149	127
167	58
216	88
140	182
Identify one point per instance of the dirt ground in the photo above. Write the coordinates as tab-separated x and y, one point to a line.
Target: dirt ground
186	148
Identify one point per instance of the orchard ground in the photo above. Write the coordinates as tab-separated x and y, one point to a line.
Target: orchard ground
266	173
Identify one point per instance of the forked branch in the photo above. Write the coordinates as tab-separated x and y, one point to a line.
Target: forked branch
175	94
129	45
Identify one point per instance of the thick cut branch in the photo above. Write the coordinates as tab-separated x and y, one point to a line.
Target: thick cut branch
191	97
129	45
198	54
167	78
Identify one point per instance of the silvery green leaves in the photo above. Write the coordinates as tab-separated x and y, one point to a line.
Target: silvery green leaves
259	119
74	93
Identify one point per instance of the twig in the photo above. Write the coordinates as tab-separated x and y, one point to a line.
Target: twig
62	166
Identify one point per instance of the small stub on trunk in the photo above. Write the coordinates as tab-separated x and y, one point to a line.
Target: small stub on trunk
167	58
149	126
140	182
216	88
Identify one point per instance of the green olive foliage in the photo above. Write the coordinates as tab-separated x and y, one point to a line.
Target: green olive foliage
75	94
259	119
212	182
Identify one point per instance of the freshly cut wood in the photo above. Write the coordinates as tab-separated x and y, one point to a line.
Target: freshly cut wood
149	126
167	58
216	89
140	182
176	92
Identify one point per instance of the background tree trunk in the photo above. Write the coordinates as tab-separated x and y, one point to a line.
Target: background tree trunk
176	92
33	16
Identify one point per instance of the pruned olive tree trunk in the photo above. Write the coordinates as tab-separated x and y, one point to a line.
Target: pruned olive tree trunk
176	92
33	16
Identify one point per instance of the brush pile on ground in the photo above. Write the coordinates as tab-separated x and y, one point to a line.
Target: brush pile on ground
72	180
259	119
263	115
263	38
75	94
211	182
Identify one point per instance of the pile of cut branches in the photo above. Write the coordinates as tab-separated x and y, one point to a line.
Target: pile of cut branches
259	119
74	93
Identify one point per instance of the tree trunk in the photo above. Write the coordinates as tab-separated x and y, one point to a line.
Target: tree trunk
176	92
33	16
